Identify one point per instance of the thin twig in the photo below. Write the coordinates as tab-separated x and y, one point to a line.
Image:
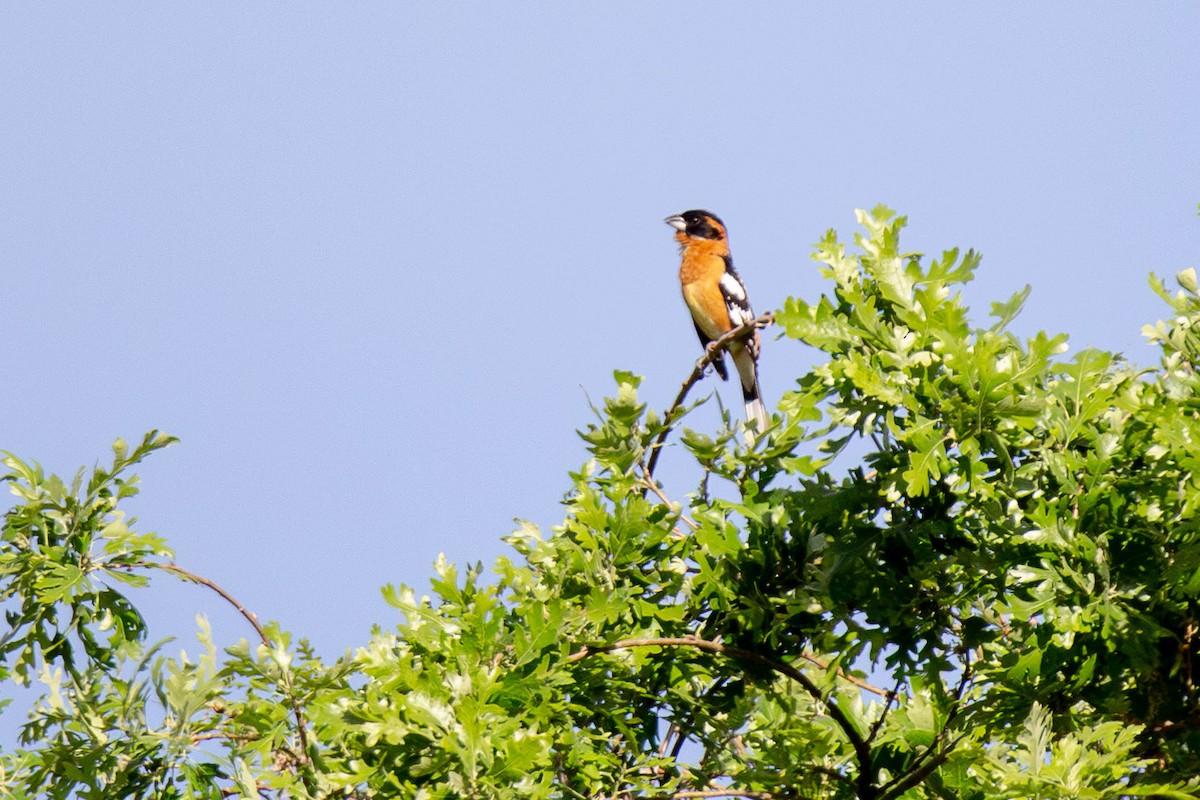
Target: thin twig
916	776
672	730
252	618
715	350
832	774
679	731
249	616
919	771
862	750
723	793
846	676
230	737
653	486
887	706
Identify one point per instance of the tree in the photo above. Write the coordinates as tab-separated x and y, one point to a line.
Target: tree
959	564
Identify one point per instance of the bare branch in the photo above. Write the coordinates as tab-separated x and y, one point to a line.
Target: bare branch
187	575
887	706
724	793
252	618
653	486
727	791
714	350
832	774
672	731
859	682
196	738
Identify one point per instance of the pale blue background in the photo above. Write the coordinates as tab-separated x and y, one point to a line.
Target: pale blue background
365	259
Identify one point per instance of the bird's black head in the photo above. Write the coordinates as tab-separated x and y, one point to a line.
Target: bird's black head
698	224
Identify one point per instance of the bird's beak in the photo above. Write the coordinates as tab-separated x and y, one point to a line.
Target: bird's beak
676	222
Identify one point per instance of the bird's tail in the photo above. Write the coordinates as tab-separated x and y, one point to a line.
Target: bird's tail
748	372
755	410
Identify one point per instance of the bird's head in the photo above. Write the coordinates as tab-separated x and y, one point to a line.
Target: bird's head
696	224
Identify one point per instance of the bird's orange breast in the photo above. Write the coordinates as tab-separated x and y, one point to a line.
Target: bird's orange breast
703	260
700	273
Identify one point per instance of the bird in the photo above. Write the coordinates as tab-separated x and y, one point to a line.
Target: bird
716	297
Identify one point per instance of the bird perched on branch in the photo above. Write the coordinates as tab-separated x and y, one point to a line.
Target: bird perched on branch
717	299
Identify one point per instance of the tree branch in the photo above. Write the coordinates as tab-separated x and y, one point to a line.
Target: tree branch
862	750
917	775
902	783
714	350
887	706
859	682
653	486
187	575
252	618
724	793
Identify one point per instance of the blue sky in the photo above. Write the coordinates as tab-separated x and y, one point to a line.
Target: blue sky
366	259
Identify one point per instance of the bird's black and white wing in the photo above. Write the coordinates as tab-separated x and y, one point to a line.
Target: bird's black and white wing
736	301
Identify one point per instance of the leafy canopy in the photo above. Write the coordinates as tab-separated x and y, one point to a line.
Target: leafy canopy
959	564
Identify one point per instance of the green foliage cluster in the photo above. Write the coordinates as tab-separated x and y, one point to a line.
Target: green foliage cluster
960	564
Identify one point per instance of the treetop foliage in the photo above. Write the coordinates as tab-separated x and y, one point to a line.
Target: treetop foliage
958	564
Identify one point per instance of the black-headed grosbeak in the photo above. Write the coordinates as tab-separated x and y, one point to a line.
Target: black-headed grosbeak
717	299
